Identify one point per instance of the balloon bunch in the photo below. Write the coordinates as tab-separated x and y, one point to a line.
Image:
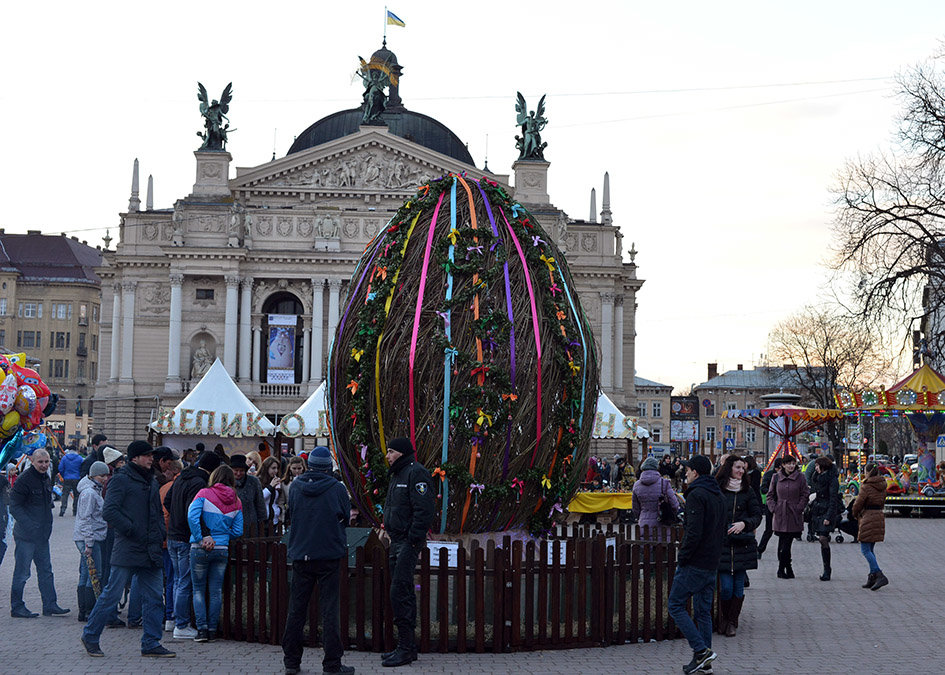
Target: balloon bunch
25	401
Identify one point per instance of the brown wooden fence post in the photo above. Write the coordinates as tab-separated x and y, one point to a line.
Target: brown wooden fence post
424	600
461	609
443	601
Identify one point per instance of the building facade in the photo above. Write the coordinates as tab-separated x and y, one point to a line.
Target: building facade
652	412
50	309
741	389
254	269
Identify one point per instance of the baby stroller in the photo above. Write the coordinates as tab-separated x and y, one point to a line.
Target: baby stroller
848	524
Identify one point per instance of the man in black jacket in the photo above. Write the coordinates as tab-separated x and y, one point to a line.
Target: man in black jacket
31	506
96	454
249	490
697	562
177	500
133	508
408	513
317	543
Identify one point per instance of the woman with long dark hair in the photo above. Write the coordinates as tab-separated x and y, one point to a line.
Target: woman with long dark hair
787	497
739	549
825	509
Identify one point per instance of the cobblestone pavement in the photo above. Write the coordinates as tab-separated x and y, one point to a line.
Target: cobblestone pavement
787	626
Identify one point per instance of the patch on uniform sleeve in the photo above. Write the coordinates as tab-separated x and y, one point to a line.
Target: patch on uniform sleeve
422	488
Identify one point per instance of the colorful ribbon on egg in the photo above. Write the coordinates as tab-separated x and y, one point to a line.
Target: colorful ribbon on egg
450	354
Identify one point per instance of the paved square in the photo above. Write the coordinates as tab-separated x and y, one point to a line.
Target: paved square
788	626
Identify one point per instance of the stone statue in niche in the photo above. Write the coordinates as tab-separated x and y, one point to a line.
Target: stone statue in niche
177	236
200	361
235	227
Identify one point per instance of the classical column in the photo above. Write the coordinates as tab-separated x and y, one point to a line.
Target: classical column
607	341
127	328
246	310
173	333
116	333
229	324
318	327
306	353
618	343
257	332
334	288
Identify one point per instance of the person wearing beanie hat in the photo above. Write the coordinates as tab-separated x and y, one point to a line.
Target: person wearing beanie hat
112	456
320	508
408	513
697	561
177	500
89	534
133	509
250	492
650	492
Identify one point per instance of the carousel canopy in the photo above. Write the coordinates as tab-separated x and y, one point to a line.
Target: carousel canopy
214	407
785	420
611	423
922	391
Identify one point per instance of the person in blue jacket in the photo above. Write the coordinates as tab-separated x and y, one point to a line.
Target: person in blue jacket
69	467
215	516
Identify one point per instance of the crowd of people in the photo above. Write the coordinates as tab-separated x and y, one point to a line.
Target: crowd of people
153	527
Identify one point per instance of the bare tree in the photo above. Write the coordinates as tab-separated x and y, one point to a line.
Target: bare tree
890	225
833	351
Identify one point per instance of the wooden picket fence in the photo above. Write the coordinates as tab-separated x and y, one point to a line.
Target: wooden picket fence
584	586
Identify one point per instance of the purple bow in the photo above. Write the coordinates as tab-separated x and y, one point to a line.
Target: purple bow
470	249
497	242
363	452
556	507
537	240
446	318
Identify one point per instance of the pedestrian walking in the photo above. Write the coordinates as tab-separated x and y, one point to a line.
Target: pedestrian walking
69	467
868	510
765	486
177	502
317	546
5	476
697	561
408	513
215	516
825	507
171	471
739	550
249	491
787	498
648	493
133	509
31	506
89	534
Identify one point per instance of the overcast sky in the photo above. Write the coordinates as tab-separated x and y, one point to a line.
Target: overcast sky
723	125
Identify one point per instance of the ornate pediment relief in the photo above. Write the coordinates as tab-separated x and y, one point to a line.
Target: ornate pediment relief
367	168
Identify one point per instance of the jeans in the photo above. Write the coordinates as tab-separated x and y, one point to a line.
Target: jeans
69	486
305	574
168	586
698	584
179	552
84	579
732	585
866	548
150	581
402	558
206	570
134	601
26	553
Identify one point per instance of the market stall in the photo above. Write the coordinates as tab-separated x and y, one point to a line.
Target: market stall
215	411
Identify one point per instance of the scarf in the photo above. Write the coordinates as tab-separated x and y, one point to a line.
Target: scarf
734	485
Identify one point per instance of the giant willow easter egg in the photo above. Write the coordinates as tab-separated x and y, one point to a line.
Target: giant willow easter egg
462	331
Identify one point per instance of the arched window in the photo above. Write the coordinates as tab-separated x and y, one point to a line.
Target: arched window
281	358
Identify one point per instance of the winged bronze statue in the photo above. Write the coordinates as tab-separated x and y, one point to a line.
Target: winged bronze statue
215	122
529	143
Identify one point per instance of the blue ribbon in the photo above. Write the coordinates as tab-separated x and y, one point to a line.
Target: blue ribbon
449	355
577	320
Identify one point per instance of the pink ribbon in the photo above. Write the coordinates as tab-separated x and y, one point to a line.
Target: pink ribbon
416	318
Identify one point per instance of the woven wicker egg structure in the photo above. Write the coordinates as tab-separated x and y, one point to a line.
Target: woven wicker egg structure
462	331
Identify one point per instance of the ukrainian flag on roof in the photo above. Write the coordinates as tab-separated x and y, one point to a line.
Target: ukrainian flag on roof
394	20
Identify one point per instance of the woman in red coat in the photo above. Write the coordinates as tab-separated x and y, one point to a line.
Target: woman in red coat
868	510
787	498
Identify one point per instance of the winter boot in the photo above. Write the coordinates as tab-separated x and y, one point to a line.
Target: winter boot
825	555
735	608
788	571
724	609
870	580
406	652
881	581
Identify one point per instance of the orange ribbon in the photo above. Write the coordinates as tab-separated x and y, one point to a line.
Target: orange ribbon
353	386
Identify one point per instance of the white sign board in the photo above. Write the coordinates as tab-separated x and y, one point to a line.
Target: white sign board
452	547
854	437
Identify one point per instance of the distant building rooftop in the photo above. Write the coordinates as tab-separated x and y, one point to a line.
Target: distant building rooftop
51	258
643	382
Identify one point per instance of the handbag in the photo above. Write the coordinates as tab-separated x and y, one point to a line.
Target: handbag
668	515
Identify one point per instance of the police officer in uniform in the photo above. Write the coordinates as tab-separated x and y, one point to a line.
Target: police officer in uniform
408	513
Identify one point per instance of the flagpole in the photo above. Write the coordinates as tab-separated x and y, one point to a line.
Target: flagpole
385	25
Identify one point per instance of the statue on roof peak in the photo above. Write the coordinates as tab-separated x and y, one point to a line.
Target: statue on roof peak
529	143
215	121
376	76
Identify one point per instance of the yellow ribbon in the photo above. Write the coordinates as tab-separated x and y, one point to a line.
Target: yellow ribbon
452	236
550	262
545	482
356	354
574	369
484	418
